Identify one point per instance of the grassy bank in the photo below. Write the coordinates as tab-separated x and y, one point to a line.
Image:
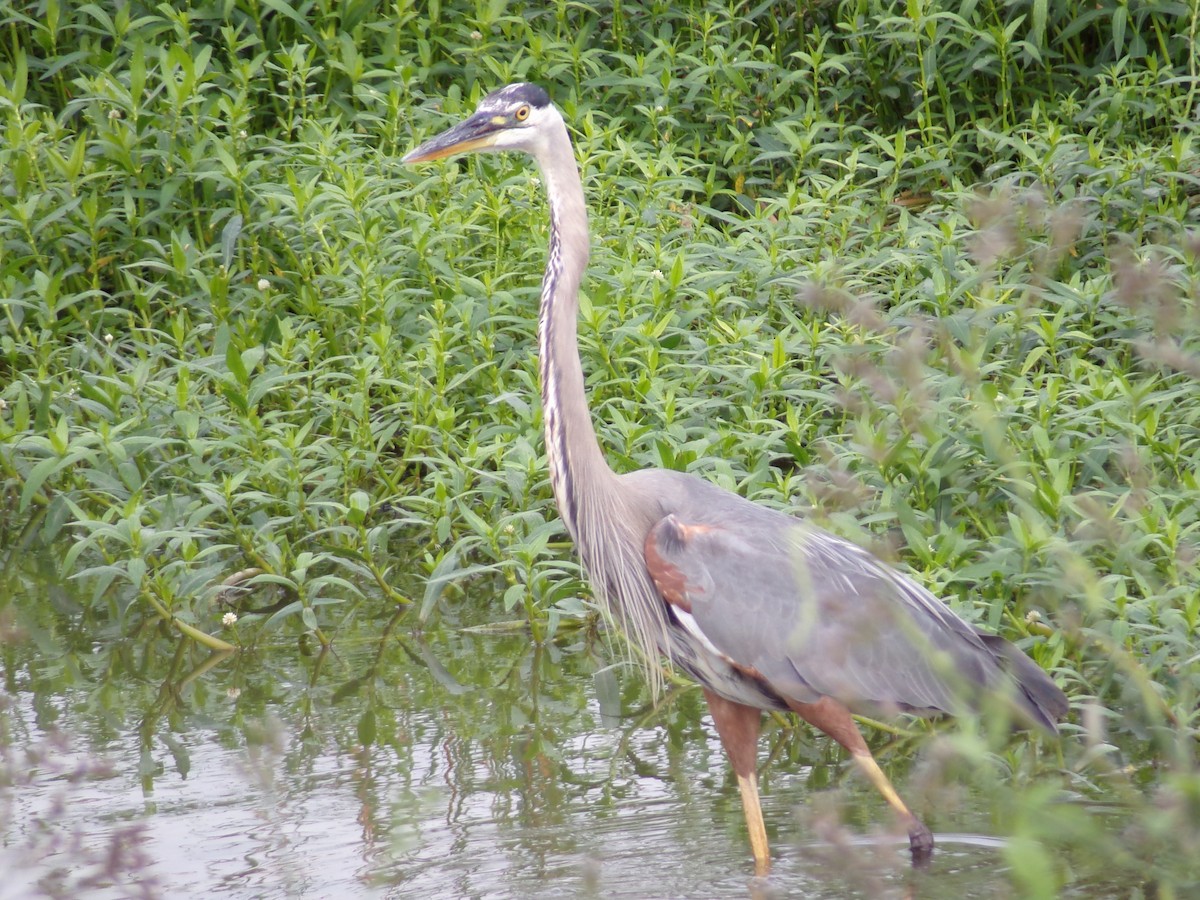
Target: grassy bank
924	274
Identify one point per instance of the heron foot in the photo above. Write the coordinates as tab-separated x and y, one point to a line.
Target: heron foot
920	843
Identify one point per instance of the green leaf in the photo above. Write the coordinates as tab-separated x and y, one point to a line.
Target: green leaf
677	272
237	368
1037	23
230	233
443	573
359	506
135	571
366	728
296	606
43	470
514	594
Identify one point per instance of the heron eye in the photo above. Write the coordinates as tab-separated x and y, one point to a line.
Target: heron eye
522	113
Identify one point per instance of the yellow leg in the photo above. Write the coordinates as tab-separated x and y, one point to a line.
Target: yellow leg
738	727
834	719
882	784
754	823
919	837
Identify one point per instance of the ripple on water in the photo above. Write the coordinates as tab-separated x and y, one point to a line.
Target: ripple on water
451	808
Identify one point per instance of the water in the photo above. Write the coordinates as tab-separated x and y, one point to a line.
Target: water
458	765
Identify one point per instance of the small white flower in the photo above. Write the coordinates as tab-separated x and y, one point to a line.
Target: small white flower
476	36
242	134
263	284
657	275
230	618
659	108
114	114
233	693
3	405
108	339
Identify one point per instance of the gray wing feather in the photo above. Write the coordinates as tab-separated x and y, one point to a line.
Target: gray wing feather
818	616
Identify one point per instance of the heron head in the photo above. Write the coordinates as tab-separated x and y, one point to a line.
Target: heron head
515	117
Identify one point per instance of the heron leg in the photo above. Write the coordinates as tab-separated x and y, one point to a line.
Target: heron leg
738	726
834	719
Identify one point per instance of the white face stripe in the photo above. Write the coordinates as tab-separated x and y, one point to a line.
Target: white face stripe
529	135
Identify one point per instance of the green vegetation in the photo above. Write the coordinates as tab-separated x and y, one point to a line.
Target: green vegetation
924	271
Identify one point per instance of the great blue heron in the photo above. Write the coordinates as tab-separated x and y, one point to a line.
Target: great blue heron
766	611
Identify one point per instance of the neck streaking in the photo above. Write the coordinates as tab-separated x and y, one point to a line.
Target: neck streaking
607	526
572	451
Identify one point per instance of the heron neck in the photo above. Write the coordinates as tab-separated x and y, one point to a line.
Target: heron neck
578	471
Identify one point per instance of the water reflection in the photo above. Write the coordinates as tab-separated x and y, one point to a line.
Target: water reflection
461	765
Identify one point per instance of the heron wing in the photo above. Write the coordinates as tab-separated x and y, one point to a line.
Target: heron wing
814	615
